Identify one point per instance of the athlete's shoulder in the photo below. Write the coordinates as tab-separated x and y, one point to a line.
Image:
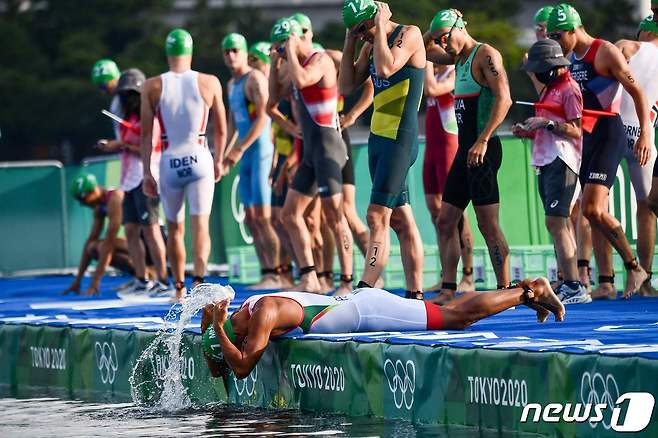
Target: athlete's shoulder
153	83
489	50
256	76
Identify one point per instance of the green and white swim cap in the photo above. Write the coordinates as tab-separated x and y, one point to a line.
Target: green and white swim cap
84	184
564	17
104	71
541	16
283	28
210	342
649	25
234	41
261	50
358	11
303	20
447	18
179	43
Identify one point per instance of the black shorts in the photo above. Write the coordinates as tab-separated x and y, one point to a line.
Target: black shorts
139	208
474	184
348	169
603	150
389	162
557	186
278	201
321	169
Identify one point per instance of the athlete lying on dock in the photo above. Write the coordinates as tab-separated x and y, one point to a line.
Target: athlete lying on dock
238	342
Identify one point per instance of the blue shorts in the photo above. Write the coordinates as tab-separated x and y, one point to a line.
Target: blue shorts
255	166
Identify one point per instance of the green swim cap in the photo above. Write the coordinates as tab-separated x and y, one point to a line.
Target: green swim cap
210	342
318	46
542	14
564	17
648	25
261	50
234	41
357	11
83	184
303	20
447	18
283	28
104	71
179	43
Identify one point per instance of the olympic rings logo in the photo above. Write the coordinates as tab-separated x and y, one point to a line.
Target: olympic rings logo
401	381
248	384
237	208
106	361
595	390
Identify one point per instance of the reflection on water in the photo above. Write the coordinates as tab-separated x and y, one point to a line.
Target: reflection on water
52	417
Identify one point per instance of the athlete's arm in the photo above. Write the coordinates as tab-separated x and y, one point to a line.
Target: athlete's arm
435	53
387	60
114	216
615	65
310	74
256	92
275	95
436	88
261	324
628	48
352	74
85	258
361	105
147	113
490	65
219	124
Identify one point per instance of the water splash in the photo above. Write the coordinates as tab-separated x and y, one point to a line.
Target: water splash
161	384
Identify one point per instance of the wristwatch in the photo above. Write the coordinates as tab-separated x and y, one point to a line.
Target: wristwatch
550	126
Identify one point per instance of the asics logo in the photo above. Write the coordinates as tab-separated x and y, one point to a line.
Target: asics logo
248	384
106	361
401	379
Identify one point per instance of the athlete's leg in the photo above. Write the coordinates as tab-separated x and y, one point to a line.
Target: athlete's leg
313	221
449	250
176	254
411	247
293	216
583	245
358	228
328	248
487	217
604	265
595	201
332	207
379	245
200	243
120	256
270	247
481	305
467	283
565	246
200	195
156	247
433	202
136	249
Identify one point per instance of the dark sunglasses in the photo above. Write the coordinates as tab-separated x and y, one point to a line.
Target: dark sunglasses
556	36
443	39
280	49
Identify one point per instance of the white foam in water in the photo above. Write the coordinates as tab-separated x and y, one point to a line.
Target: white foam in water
167	376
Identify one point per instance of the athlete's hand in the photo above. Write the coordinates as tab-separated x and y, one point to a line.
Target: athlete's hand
292	43
73	288
347	120
535	123
383	14
150	187
643	149
280	183
91	291
219	171
476	153
220	313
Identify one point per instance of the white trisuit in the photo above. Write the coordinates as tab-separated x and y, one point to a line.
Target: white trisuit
364	310
644	65
186	167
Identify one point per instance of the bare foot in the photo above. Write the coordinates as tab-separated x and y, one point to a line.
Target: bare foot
286	283
583	274
327	285
269	282
344	289
543	295
634	279
647	290
435	288
444	297
466	284
180	296
605	291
